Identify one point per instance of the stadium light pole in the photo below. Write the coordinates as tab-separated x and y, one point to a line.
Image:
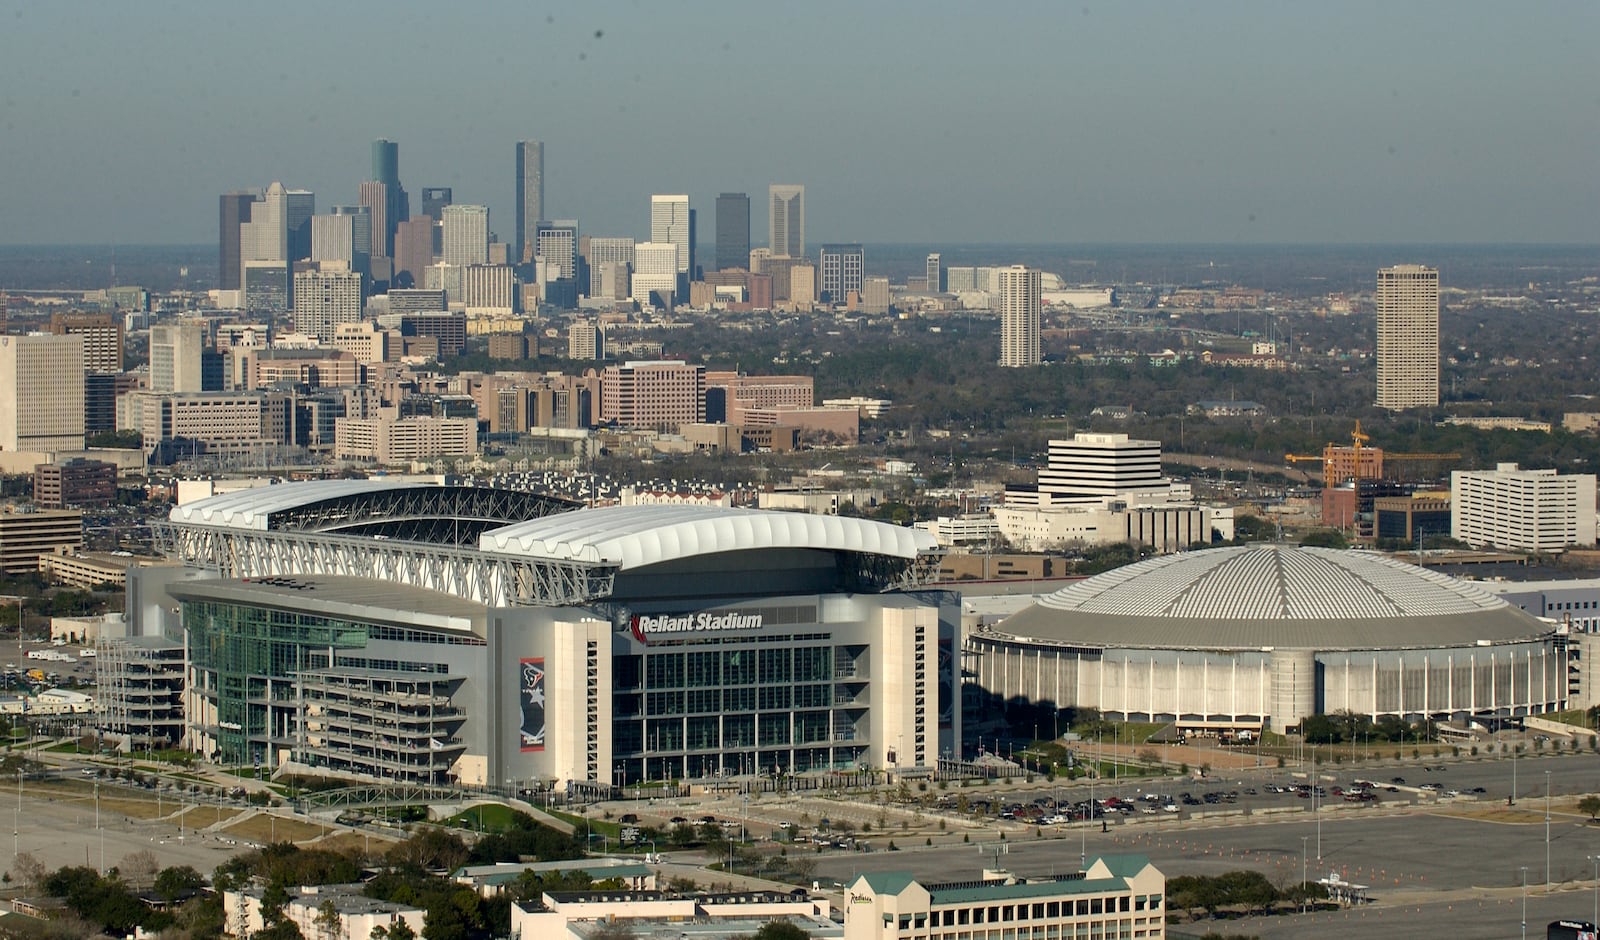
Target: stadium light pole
1547	830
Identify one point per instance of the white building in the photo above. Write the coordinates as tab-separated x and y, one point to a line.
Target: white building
395	440
489	290
967	529
671	223
327	912
1115	896
786	223
1522	510
323	300
1020	310
466	235
41	393
655	270
1407	303
574	915
1093	466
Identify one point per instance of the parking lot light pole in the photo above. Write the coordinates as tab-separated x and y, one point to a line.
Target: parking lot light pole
1547	830
1596	860
1524	902
1303	873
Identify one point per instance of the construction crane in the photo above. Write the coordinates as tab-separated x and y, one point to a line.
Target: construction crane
1357	461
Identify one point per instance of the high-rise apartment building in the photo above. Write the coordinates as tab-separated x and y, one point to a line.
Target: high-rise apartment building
1407	303
41	392
733	230
325	299
466	235
1021	309
530	196
935	274
233	211
786	224
670	224
102	338
840	271
585	341
655	271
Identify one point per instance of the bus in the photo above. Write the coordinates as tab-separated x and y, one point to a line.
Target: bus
1570	930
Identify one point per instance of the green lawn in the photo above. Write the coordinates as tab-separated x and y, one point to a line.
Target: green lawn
489	817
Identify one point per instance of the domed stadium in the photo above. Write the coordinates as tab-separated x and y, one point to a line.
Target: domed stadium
1266	635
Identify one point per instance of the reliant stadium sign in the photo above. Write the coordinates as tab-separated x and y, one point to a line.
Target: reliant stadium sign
645	626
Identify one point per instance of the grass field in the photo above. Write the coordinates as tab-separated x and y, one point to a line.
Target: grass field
488	817
199	817
263	828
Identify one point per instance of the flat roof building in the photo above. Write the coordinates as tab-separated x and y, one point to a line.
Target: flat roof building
1522	510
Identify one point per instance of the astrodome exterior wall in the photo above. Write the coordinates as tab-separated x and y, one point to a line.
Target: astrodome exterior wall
1269	635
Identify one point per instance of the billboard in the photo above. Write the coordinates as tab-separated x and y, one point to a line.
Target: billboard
532	699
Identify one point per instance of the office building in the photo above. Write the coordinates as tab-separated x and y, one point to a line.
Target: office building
489	290
177	357
733	230
413	251
1021	310
671	223
102	338
25	537
530	196
396	204
602	250
333	239
840	272
233	211
73	483
41	393
434	199
740	641
935	274
786	222
388	440
659	394
375	196
1520	510
325	299
1407	302
360	250
1092	465
1114	896
448	329
655	273
267	287
874	294
466	235
557	243
192	424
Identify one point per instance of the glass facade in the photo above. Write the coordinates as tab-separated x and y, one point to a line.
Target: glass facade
723	706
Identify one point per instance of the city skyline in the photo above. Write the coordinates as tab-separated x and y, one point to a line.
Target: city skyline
1157	125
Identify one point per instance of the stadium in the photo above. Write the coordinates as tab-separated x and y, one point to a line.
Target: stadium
1267	635
471	636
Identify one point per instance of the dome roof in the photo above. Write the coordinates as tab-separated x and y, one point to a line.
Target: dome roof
1270	595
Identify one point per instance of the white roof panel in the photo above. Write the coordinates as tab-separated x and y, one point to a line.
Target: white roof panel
250	509
637	536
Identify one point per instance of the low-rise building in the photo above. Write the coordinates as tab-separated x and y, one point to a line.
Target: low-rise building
395	440
328	912
25	536
569	915
72	483
1116	896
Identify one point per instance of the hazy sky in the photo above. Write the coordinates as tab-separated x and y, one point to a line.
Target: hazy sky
914	121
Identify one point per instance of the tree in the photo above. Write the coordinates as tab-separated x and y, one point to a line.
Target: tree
330	925
139	868
781	930
29	869
1590	806
172	883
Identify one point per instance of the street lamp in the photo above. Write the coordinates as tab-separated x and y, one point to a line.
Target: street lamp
1524	902
1596	860
1303	873
1547	830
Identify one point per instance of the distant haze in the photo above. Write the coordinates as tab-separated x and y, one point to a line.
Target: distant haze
1039	122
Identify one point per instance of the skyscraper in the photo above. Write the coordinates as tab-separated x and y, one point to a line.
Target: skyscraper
935	274
177	357
670	222
655	272
361	235
557	243
234	210
397	205
434	199
1408	337
1021	306
277	235
733	230
41	392
839	272
375	196
530	196
786	225
466	235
